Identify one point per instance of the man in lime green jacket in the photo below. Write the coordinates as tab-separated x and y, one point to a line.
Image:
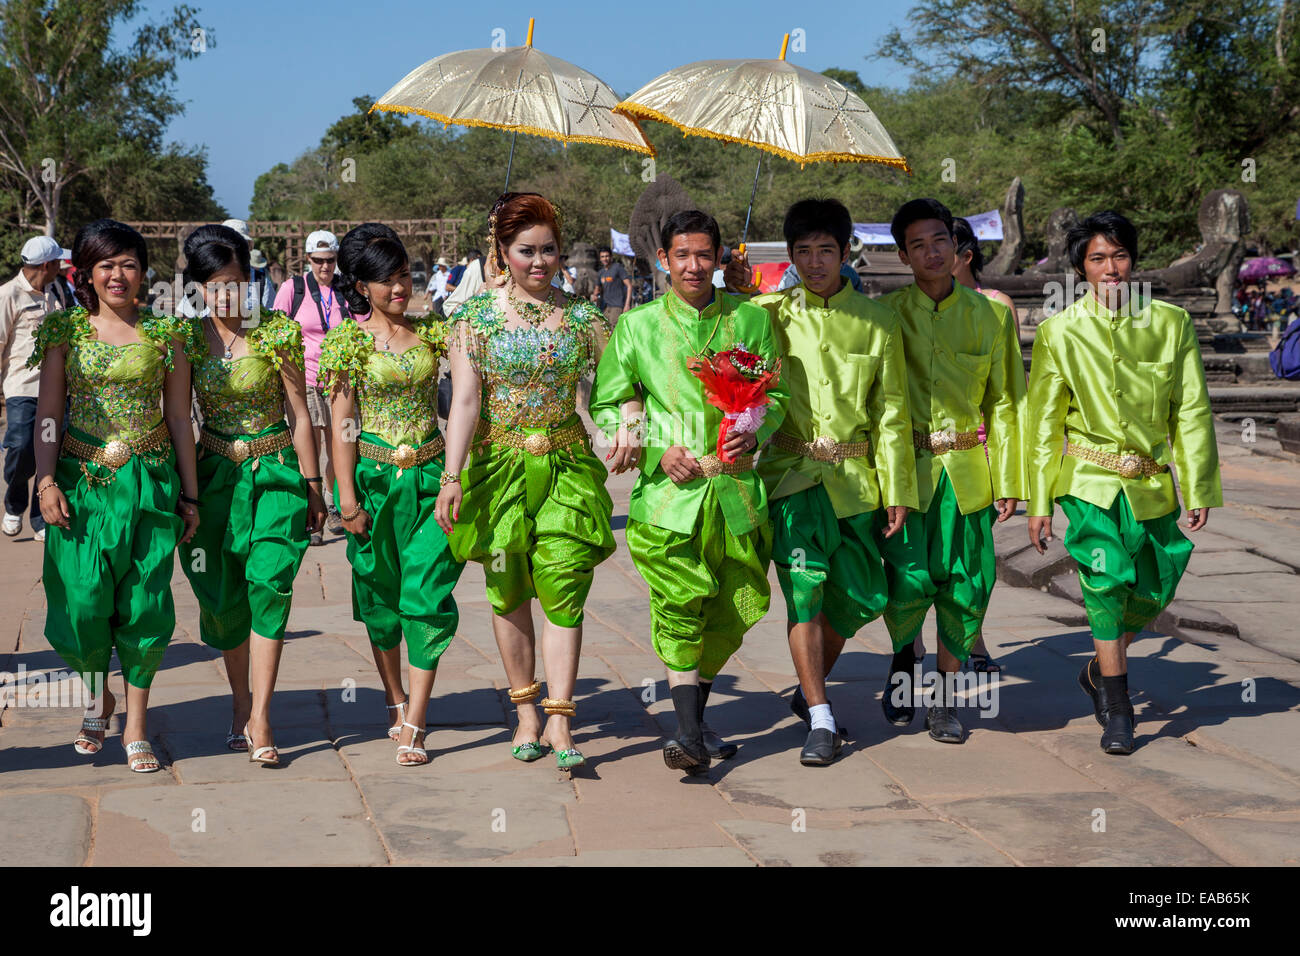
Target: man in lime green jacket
697	528
1116	380
843	453
964	366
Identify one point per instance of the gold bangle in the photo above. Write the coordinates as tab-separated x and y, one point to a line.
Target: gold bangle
449	478
353	513
525	695
556	706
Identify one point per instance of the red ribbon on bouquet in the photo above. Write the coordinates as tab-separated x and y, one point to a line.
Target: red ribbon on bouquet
737	382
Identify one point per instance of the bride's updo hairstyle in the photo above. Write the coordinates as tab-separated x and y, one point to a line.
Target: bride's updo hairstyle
511	215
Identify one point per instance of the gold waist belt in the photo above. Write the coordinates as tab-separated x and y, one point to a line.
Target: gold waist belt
1128	465
941	442
535	443
117	453
712	465
403	456
822	448
241	449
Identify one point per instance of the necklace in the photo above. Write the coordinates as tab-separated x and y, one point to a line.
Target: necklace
686	336
226	354
393	329
534	313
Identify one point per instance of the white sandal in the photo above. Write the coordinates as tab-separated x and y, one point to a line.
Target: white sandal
411	748
141	758
257	756
395	731
90	725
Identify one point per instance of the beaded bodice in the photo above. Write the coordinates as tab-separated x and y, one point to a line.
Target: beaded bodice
244	395
396	392
530	375
114	391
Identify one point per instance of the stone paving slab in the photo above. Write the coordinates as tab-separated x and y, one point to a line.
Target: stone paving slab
44	829
1271	840
272	822
1058	830
899	843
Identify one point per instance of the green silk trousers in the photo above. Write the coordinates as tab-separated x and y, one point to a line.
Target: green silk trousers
707	588
941	558
108	576
403	573
251	539
1128	568
539	524
826	564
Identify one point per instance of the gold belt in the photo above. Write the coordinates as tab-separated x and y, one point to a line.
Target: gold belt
712	465
941	442
240	450
403	456
823	448
1128	465
117	453
535	443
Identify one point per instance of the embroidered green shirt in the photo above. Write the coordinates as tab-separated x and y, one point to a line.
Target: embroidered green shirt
648	351
964	366
844	368
245	395
1130	381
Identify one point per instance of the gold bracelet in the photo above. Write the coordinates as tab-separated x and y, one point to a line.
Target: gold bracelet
44	488
353	513
449	478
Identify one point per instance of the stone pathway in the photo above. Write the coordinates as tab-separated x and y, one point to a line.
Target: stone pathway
1214	780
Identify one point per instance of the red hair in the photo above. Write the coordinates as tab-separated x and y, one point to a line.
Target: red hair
515	212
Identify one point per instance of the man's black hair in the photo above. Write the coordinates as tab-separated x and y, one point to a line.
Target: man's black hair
918	210
690	220
810	216
605	249
1106	223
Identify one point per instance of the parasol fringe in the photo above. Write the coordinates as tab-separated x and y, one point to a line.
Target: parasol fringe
636	111
566	139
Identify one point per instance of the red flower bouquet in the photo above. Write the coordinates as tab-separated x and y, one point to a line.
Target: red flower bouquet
736	381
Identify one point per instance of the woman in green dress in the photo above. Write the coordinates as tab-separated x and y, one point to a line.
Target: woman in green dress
382	373
258	505
109	487
534	509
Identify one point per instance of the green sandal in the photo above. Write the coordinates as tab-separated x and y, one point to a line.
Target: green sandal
568	759
528	752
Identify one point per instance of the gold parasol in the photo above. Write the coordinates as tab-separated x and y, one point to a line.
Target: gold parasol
772	105
519	89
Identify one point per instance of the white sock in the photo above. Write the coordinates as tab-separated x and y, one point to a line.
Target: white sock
821	717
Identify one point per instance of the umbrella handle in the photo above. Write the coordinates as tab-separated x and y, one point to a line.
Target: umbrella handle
752	193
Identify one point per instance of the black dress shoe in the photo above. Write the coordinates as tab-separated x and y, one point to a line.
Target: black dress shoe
821	748
717	748
941	720
686	755
1117	738
1090	681
799	706
900	683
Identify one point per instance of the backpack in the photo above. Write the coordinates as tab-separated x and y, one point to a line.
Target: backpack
1285	359
300	285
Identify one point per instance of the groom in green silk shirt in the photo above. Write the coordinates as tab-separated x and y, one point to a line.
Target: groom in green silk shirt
964	366
697	528
1116	394
842	457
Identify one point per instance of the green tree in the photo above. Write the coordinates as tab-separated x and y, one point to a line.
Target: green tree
68	99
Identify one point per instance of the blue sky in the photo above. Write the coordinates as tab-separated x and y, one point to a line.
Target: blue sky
280	72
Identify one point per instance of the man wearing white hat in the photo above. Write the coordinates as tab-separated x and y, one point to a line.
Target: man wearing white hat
259	274
25	300
314	302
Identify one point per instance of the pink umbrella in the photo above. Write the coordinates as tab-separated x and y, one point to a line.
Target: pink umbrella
1264	267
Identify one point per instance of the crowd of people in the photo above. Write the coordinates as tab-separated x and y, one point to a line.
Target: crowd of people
894	434
1260	309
